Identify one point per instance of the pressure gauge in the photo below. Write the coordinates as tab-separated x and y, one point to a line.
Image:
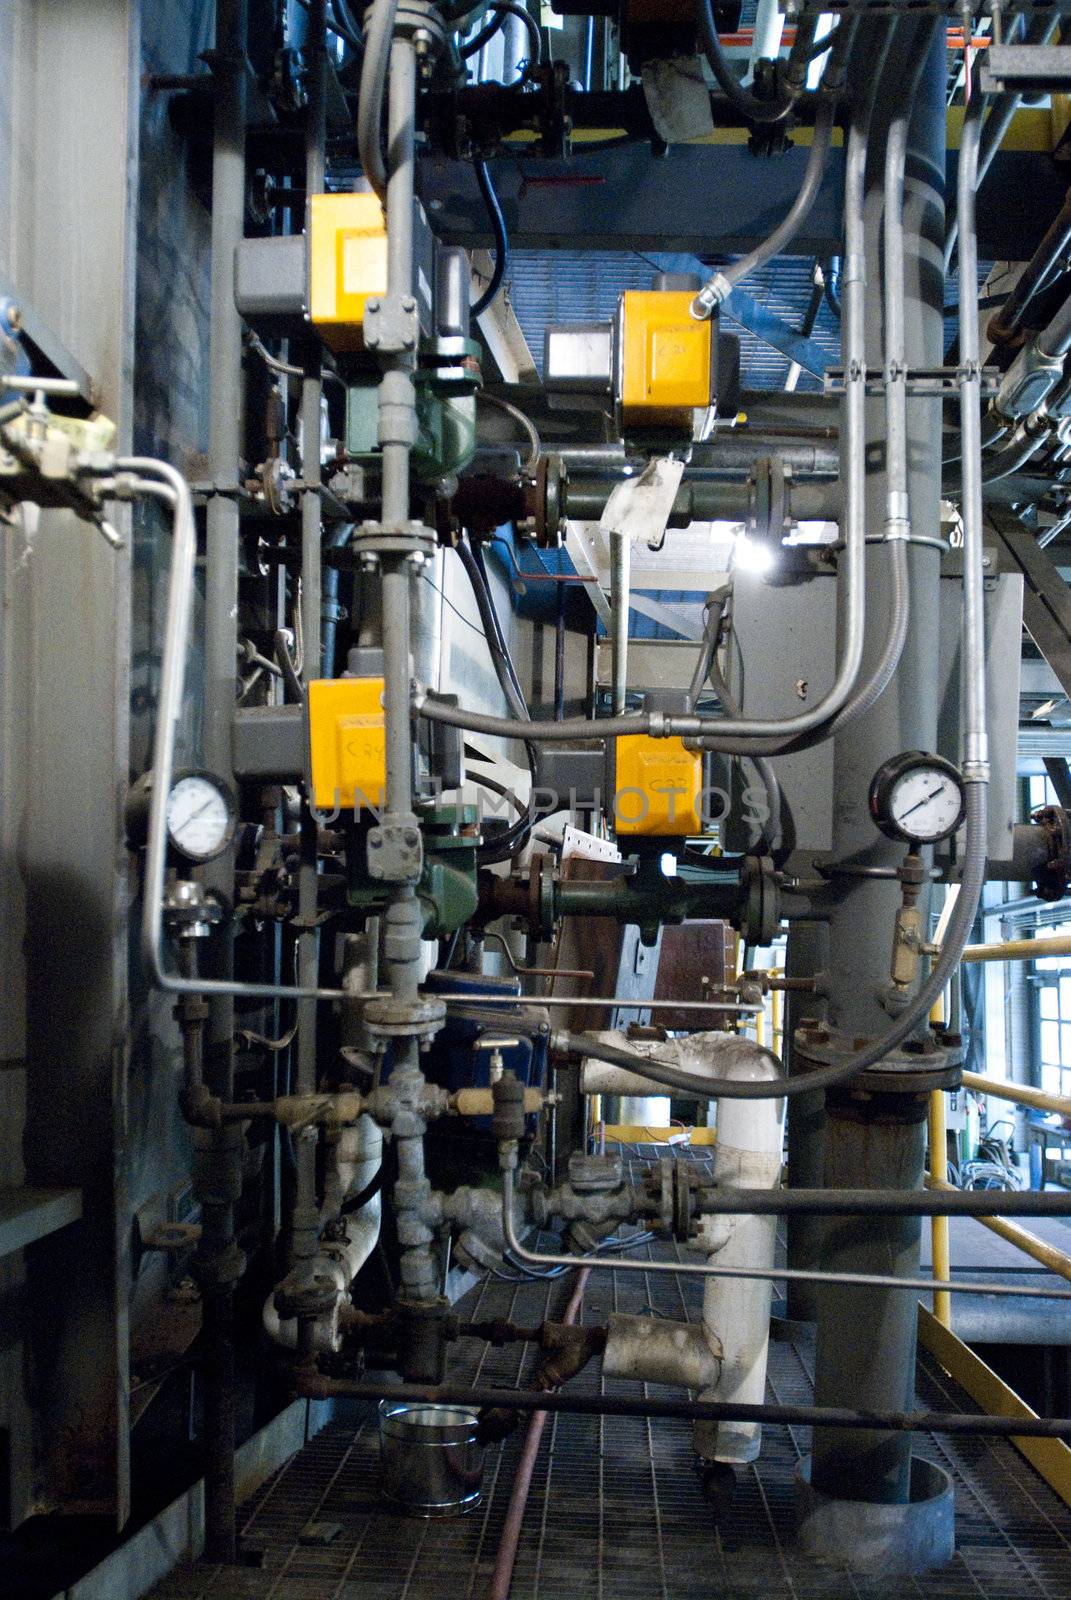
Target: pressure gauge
202	814
918	798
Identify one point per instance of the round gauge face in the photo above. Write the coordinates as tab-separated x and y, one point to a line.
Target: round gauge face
200	817
918	798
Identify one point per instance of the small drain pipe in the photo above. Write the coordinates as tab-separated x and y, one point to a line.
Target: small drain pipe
506	1554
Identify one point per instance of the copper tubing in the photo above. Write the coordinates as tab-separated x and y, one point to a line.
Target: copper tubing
506	1554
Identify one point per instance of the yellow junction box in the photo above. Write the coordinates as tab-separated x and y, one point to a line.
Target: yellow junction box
665	356
347	243
658	787
347	743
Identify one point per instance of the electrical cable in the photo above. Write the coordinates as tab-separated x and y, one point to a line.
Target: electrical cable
516	836
503	9
721	284
524	422
498	227
707	668
752	107
373	86
341	24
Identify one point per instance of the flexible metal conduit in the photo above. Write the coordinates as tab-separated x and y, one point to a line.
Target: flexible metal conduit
373	84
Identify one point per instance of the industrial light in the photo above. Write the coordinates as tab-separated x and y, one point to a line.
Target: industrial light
751	556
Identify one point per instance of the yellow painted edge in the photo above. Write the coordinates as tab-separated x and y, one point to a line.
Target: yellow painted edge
1033	128
635	1133
1050	1457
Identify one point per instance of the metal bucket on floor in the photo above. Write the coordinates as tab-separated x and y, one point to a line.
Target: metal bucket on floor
431	1458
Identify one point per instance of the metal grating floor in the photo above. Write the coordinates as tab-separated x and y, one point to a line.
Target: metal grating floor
616	1508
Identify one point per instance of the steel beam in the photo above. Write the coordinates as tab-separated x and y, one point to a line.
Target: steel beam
704	199
1046	597
27	1215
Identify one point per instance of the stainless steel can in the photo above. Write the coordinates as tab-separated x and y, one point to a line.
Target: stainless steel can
431	1458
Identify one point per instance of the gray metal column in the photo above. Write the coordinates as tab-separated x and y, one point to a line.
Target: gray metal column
866	1338
218	1170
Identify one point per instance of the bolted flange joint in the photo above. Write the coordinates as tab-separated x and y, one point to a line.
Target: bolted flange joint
391	325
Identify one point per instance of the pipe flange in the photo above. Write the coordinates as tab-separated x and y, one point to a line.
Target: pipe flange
546	501
403	1019
761	908
316	1296
684	1227
915	1068
666	1165
402	539
1052	880
423	23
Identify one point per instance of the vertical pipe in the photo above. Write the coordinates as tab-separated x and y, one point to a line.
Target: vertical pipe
939	1232
806	953
866	1341
220	673
397	433
304	1239
620	577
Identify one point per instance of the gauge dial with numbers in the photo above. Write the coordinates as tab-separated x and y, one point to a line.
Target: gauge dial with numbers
917	798
202	815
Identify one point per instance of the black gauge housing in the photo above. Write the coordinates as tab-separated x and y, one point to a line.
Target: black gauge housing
891	774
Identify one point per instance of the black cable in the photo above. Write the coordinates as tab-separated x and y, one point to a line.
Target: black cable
498	227
503	9
341	28
744	100
818	47
516	836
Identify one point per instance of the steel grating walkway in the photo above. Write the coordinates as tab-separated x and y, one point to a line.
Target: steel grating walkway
617	1509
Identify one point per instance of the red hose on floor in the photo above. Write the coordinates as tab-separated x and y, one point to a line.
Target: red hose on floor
506	1555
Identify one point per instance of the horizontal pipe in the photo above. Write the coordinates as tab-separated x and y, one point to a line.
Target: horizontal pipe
1019	949
1048	1255
950	1202
612	1405
1020	1094
709	1269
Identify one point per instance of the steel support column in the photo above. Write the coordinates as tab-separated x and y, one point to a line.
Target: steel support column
866	1341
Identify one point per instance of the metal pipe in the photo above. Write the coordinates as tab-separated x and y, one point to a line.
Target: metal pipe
939	1230
1048	1255
950	1202
1057	944
620	565
866	1339
594	1405
706	1269
225	396
1019	1094
305	1233
506	1554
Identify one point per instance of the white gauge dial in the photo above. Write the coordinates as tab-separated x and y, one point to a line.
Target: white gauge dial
925	804
200	817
